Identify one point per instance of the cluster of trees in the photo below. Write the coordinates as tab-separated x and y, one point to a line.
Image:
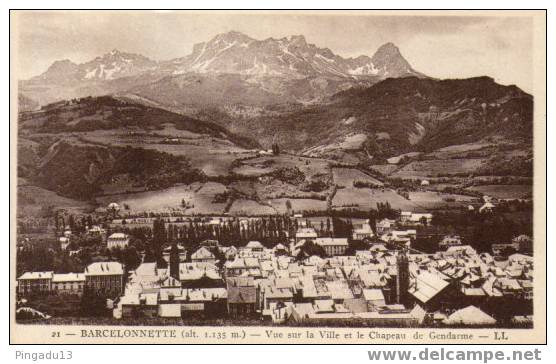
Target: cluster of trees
291	175
44	256
499	165
363	184
77	224
482	230
155	169
309	249
230	232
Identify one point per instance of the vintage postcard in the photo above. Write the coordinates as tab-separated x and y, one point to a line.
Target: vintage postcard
321	177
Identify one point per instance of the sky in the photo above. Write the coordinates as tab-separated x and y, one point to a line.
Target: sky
439	46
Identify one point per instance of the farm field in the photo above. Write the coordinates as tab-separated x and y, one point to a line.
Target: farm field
366	198
298	205
32	200
345	177
252	170
157	201
438	167
384	169
281	190
431	199
262	165
454	150
351	141
243	207
169	199
213	156
504	191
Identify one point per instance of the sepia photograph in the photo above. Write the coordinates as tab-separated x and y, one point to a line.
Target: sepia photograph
277	176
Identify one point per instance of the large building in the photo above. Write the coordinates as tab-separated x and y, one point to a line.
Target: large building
34	282
102	276
117	240
68	283
305	234
105	277
333	246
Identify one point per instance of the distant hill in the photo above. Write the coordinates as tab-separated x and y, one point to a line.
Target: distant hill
107	112
400	115
26	103
75	147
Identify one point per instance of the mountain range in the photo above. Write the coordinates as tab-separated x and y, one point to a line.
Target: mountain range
239	68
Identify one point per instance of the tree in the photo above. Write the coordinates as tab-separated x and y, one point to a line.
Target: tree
289	207
309	249
159	238
71	223
56	223
93	303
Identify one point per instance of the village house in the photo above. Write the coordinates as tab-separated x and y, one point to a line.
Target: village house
374	298
199	275
209	243
198	301
229	252
96	230
203	255
415	218
242	296
280	249
448	241
242	266
64	242
400	237
384	226
254	246
117	240
273	296
363	232
504	249
487	207
431	290
305	234
524	242
139	305
460	251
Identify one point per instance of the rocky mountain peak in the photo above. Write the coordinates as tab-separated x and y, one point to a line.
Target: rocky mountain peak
388	49
298	40
389	59
231	37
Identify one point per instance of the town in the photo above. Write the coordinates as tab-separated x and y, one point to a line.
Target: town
381	270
